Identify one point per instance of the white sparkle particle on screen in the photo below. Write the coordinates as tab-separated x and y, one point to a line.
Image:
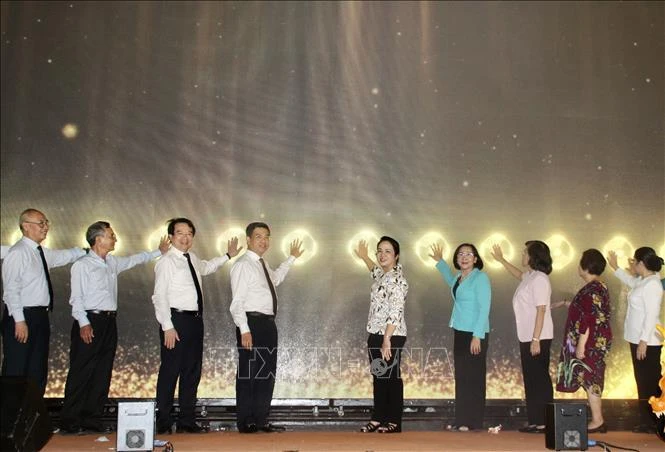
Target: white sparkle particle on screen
515	136
399	33
494	148
599	167
49	61
196	86
263	215
635	44
632	89
388	214
436	90
39	20
375	91
219	133
648	80
480	123
465	183
425	61
376	105
86	176
32	163
422	134
214	142
587	217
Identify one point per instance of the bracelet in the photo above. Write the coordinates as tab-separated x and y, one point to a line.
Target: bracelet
535	339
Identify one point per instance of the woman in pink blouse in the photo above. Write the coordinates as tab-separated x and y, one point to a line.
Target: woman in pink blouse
531	304
387	334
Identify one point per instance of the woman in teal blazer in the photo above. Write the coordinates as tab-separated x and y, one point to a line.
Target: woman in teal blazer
470	288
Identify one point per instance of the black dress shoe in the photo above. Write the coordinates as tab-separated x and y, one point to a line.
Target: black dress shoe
602	428
164	430
248	428
72	430
191	429
272	428
532	429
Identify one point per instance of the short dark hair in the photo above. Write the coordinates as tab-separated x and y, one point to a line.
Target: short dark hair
479	261
95	230
593	261
257	224
173	221
649	258
392	242
539	256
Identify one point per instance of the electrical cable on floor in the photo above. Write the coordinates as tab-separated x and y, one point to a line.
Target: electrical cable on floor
606	446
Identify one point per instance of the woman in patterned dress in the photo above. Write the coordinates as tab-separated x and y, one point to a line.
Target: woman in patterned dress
587	338
387	334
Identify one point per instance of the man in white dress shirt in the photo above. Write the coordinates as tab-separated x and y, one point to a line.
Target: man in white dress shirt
94	335
178	301
253	308
28	297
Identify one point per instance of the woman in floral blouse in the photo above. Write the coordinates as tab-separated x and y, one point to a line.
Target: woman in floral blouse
587	338
387	334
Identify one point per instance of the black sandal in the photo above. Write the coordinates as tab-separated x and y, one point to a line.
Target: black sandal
390	428
369	427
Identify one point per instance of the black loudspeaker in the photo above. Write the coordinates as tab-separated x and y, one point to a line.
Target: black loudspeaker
566	426
26	425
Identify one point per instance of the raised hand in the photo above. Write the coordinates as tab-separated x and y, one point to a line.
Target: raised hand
232	247
296	248
497	253
437	252
164	244
361	251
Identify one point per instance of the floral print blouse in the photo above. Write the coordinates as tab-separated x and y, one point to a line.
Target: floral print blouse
388	296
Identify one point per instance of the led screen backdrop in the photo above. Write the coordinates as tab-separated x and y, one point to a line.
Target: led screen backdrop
488	122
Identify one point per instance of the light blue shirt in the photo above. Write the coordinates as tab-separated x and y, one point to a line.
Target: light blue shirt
471	308
95	282
23	275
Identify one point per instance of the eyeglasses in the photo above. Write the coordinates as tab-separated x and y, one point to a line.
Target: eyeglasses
41	224
465	254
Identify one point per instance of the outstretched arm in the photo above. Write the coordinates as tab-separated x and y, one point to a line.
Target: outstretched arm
497	254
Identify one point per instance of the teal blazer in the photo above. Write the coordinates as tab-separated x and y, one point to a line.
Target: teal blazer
471	306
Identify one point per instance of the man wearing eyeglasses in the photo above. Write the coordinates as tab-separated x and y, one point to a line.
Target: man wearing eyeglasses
28	297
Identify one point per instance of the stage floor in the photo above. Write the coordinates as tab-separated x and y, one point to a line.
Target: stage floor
302	441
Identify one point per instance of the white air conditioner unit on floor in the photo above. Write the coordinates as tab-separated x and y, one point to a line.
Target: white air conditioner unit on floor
136	426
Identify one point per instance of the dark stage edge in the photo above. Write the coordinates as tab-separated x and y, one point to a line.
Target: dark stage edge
346	414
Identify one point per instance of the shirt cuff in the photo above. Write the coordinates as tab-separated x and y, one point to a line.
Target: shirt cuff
18	316
244	328
168	325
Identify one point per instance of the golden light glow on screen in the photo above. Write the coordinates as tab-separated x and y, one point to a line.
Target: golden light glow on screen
622	247
561	250
370	237
18	235
485	249
152	243
423	248
223	240
308	244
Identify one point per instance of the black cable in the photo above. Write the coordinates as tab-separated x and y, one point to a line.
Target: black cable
606	446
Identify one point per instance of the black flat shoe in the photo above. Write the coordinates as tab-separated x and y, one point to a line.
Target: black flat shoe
272	428
369	427
248	428
602	428
532	429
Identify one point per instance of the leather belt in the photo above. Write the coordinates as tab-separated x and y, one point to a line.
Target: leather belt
259	314
99	312
182	311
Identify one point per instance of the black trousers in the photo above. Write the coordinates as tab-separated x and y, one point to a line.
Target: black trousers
89	377
537	381
647	374
387	379
29	359
182	365
255	377
470	383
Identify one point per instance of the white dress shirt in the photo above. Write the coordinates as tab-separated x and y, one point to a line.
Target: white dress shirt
23	275
644	300
95	282
4	249
174	286
534	290
250	289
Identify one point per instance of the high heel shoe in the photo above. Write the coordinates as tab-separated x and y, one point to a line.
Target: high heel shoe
370	427
602	428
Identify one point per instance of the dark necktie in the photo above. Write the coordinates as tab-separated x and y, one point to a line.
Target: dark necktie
272	288
48	278
199	294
